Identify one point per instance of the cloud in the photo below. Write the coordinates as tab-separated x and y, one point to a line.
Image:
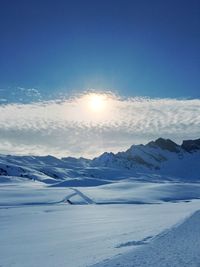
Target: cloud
70	127
19	95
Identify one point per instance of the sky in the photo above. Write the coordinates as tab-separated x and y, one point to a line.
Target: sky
141	56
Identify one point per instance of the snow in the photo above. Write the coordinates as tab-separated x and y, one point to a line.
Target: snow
154	160
176	247
130	191
141	162
20	193
134	208
37	226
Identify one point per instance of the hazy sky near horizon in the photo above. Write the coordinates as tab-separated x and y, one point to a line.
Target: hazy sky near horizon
141	56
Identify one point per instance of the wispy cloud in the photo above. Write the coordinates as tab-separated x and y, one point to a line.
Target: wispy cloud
69	127
19	95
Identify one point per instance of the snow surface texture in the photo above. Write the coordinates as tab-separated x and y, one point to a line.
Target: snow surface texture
176	247
50	232
39	227
55	212
142	192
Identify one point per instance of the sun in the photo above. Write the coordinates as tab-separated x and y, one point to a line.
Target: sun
96	102
93	107
96	106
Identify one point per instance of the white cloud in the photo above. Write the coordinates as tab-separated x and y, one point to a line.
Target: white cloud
19	95
70	127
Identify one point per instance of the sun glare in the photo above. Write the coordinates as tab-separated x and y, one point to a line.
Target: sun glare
96	107
96	102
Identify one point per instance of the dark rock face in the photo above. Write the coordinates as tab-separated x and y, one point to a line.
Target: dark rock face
141	161
152	156
165	144
3	172
191	145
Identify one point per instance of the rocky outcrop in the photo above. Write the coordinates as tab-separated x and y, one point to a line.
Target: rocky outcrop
191	145
165	144
156	155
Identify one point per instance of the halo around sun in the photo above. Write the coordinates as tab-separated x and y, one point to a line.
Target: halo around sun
96	102
96	107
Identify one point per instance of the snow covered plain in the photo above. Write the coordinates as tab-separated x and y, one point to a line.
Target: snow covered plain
135	208
39	228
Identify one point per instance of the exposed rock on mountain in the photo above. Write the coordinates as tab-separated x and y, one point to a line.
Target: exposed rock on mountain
191	145
159	158
165	144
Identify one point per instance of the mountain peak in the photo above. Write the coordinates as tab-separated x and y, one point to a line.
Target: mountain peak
165	144
191	145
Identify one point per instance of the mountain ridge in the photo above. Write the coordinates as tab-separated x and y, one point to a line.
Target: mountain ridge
162	157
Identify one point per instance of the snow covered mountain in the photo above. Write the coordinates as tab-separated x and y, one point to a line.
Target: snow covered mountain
162	156
156	160
128	206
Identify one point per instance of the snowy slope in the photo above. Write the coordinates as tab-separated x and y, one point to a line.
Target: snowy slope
55	212
176	247
142	192
36	229
162	157
159	160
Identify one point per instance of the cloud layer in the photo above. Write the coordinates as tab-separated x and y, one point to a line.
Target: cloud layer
70	127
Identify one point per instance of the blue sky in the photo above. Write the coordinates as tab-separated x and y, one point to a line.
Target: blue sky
135	48
82	77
